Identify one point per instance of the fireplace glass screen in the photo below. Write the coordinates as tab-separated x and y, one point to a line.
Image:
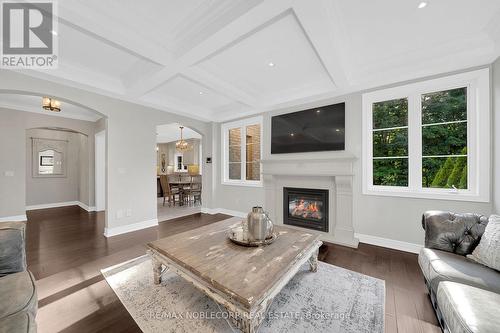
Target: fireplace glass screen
306	208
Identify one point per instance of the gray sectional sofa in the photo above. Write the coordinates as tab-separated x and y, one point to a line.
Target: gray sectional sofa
464	294
18	298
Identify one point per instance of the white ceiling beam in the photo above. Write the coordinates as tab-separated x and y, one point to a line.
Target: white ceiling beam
220	86
246	23
184	107
320	28
167	105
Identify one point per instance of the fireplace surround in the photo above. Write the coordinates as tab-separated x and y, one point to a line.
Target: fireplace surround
334	174
306	208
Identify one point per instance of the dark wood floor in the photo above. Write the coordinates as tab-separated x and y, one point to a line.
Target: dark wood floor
66	250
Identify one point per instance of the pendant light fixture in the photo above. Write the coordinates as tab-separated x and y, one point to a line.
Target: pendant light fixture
182	145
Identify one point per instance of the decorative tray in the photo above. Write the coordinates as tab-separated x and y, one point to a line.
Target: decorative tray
239	236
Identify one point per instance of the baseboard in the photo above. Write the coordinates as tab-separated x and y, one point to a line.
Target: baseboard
213	211
87	208
389	243
210	211
110	232
53	205
14	218
62	204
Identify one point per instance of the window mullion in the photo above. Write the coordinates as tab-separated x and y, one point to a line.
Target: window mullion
226	154
243	154
414	142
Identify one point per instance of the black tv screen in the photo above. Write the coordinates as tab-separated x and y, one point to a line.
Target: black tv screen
318	129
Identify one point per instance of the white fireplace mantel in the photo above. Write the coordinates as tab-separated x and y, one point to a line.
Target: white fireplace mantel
334	174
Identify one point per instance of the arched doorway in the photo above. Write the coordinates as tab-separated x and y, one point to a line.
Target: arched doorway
179	171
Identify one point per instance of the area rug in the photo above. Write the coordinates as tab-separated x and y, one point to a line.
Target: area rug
331	300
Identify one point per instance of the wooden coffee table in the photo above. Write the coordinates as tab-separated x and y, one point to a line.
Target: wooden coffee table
244	280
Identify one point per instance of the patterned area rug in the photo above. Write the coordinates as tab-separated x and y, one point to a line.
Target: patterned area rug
331	300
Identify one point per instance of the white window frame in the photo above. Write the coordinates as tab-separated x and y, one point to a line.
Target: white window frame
242	124
478	137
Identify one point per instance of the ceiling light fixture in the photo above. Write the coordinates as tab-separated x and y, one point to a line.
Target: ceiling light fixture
271	64
421	5
53	32
182	145
201	93
51	104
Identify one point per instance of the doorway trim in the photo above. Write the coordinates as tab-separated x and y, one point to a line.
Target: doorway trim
100	171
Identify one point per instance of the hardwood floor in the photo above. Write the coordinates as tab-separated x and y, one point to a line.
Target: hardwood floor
66	250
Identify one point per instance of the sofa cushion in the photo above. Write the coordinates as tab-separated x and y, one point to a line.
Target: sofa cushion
488	250
21	322
12	254
468	309
18	294
445	266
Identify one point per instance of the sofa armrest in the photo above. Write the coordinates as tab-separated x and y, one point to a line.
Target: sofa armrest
12	247
456	233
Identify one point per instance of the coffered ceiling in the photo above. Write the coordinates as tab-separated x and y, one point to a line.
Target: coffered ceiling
222	59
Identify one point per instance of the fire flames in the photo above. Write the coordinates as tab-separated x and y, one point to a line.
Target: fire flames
306	209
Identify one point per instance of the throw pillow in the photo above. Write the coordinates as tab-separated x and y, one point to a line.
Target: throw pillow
488	250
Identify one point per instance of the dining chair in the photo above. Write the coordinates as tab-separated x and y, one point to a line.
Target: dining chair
195	189
168	193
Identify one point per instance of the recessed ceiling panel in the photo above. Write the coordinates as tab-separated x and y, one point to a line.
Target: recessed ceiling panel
94	55
154	20
275	63
380	30
188	91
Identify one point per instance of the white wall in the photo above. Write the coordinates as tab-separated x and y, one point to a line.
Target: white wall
131	153
386	217
496	135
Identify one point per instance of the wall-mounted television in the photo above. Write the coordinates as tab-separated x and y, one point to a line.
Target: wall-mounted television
318	129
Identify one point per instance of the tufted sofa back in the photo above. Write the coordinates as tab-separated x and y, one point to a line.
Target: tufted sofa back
456	233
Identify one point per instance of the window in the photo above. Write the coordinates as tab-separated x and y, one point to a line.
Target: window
241	147
179	163
444	139
429	139
390	142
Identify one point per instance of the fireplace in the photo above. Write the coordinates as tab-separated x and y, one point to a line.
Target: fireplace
307	208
